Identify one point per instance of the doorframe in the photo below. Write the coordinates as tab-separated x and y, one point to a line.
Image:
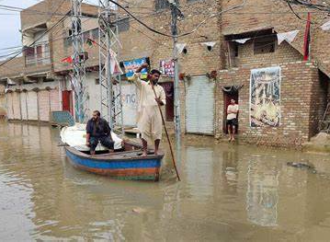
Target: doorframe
226	100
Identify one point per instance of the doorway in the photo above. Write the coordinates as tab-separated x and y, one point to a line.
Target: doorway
169	92
228	94
67	104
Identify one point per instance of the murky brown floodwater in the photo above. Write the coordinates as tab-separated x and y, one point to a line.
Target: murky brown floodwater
228	193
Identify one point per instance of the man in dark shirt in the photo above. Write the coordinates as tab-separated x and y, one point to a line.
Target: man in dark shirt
98	130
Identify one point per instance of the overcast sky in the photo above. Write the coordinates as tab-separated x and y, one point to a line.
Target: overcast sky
10	24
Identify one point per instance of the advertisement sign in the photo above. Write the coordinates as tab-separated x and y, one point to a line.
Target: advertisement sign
133	65
167	67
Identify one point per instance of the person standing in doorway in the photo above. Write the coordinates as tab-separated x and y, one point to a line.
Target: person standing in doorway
98	130
232	121
149	120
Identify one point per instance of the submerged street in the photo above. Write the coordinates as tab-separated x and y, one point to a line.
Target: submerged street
228	193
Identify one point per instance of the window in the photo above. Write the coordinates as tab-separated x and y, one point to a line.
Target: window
123	25
97	81
163	4
264	45
37	55
29	51
95	34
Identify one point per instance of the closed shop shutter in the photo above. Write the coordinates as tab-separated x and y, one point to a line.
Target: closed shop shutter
24	106
44	105
200	106
3	111
10	112
130	103
33	105
17	105
55	104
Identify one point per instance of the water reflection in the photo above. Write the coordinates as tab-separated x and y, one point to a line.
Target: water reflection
227	193
199	172
262	191
230	168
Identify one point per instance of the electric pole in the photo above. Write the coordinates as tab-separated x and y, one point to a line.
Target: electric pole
176	13
109	44
78	62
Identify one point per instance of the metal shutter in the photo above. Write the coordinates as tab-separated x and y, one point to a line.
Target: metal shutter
44	105
55	104
16	105
24	106
129	99
32	105
10	112
3	105
200	106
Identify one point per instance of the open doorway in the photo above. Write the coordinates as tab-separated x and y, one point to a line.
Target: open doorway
169	92
229	93
67	102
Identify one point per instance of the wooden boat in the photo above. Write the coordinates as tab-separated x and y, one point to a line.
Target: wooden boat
125	164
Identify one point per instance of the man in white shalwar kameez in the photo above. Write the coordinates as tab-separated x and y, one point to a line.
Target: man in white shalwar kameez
149	120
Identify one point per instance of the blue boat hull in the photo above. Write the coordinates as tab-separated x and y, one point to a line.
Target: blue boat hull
125	165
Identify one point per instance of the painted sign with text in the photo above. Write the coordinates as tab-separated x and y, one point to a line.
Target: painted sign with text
133	65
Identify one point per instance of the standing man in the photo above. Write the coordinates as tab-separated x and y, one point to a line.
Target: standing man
98	130
149	119
232	121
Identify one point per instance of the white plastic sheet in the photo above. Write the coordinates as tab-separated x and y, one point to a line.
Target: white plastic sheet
326	26
75	136
288	36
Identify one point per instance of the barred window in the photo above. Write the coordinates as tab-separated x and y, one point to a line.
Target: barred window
163	4
264	45
123	25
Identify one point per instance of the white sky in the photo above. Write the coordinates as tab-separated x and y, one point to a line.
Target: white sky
10	23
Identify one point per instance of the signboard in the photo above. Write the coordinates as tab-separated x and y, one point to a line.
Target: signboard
129	98
167	67
133	65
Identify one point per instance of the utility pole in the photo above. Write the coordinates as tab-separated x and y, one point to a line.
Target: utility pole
111	103
78	62
105	61
176	13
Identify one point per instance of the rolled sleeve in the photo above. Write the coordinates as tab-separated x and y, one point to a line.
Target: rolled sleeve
162	95
137	80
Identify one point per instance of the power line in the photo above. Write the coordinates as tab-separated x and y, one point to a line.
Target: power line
47	31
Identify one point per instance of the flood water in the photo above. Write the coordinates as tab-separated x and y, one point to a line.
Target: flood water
228	193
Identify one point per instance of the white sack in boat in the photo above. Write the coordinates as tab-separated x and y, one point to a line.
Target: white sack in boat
75	136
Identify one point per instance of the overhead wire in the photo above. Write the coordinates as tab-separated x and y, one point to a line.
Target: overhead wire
40	37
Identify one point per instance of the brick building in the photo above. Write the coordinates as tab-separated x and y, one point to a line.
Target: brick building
304	88
33	87
301	93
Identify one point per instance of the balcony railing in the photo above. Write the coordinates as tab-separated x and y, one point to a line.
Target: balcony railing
37	56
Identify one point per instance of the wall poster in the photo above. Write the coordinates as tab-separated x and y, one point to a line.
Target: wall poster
265	97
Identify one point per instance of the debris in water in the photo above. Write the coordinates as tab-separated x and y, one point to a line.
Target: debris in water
139	210
302	165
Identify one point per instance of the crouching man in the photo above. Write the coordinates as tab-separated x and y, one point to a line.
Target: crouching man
98	130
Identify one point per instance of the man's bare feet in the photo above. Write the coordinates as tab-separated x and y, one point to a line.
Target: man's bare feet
229	139
144	153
